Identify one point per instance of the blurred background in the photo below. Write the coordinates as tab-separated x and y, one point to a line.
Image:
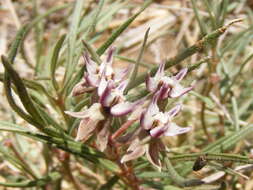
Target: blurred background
223	94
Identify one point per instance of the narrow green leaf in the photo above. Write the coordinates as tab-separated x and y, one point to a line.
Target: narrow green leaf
92	27
236	115
16	43
123	58
35	183
219	157
201	23
22	92
228	141
198	64
136	66
205	99
75	21
121	29
109	165
15	107
92	52
211	14
146	174
54	61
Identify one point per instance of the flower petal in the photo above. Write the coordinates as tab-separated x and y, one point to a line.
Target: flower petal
103	136
102	86
181	74
121	74
86	129
153	108
152	153
158	131
92	79
82	114
174	129
122	108
106	97
160	71
174	111
122	86
147	119
91	66
179	90
109	56
151	83
135	151
164	91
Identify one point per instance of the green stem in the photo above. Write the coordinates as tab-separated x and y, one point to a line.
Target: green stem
179	180
35	183
221	157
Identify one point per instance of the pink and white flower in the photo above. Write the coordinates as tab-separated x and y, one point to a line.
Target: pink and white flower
160	123
112	96
92	78
154	124
172	87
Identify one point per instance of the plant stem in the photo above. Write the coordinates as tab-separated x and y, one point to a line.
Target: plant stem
179	180
122	129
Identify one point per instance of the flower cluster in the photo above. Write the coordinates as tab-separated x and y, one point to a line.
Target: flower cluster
107	87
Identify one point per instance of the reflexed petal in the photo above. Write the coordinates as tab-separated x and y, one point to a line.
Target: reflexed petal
134	151
164	91
152	153
102	68
102	86
160	71
110	55
174	129
181	74
106	97
153	108
178	91
82	114
92	79
121	74
158	131
134	145
91	66
86	129
122	86
174	111
138	152
151	83
103	136
123	108
146	120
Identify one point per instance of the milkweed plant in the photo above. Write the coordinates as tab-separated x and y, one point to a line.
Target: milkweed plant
101	126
